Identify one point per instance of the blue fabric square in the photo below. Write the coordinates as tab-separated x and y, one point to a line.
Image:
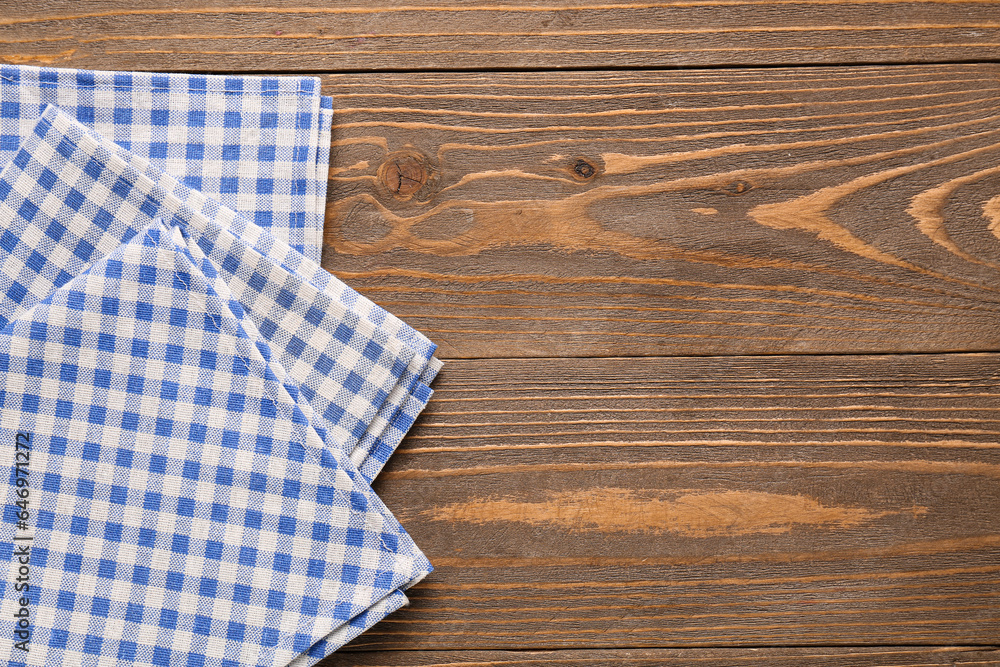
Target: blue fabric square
248	556
207	587
134	612
126	650
66	600
58	638
282	563
100	607
242	593
159	117
113	532
185	506
174	582
161	656
140	575
106	568
85	488
236	631
72	562
214	550
202	625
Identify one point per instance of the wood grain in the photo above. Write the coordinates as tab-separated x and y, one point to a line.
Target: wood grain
952	656
648	511
448	34
645	213
696	502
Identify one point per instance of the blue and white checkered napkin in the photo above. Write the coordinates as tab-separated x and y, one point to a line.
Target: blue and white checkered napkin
328	334
205	407
259	145
181	508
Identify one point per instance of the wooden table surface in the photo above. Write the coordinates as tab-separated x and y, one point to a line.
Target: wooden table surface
718	287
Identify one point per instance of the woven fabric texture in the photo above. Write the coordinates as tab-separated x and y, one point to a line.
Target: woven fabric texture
182	488
203	407
259	145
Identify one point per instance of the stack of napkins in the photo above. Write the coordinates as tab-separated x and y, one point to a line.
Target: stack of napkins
191	409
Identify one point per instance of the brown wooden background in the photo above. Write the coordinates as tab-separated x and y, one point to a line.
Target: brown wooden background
718	283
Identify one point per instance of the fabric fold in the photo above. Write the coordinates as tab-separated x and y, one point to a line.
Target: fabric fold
327	335
181	476
259	145
208	406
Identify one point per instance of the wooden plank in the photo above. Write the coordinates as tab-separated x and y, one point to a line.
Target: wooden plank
951	656
806	210
318	35
697	502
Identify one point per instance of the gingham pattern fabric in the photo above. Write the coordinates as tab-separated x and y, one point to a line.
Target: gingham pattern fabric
352	376
73	196
259	145
184	510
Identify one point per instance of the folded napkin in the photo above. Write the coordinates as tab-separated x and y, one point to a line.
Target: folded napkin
196	335
180	502
102	195
259	145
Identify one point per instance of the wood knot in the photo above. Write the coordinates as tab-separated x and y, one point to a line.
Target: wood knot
584	170
403	174
738	187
